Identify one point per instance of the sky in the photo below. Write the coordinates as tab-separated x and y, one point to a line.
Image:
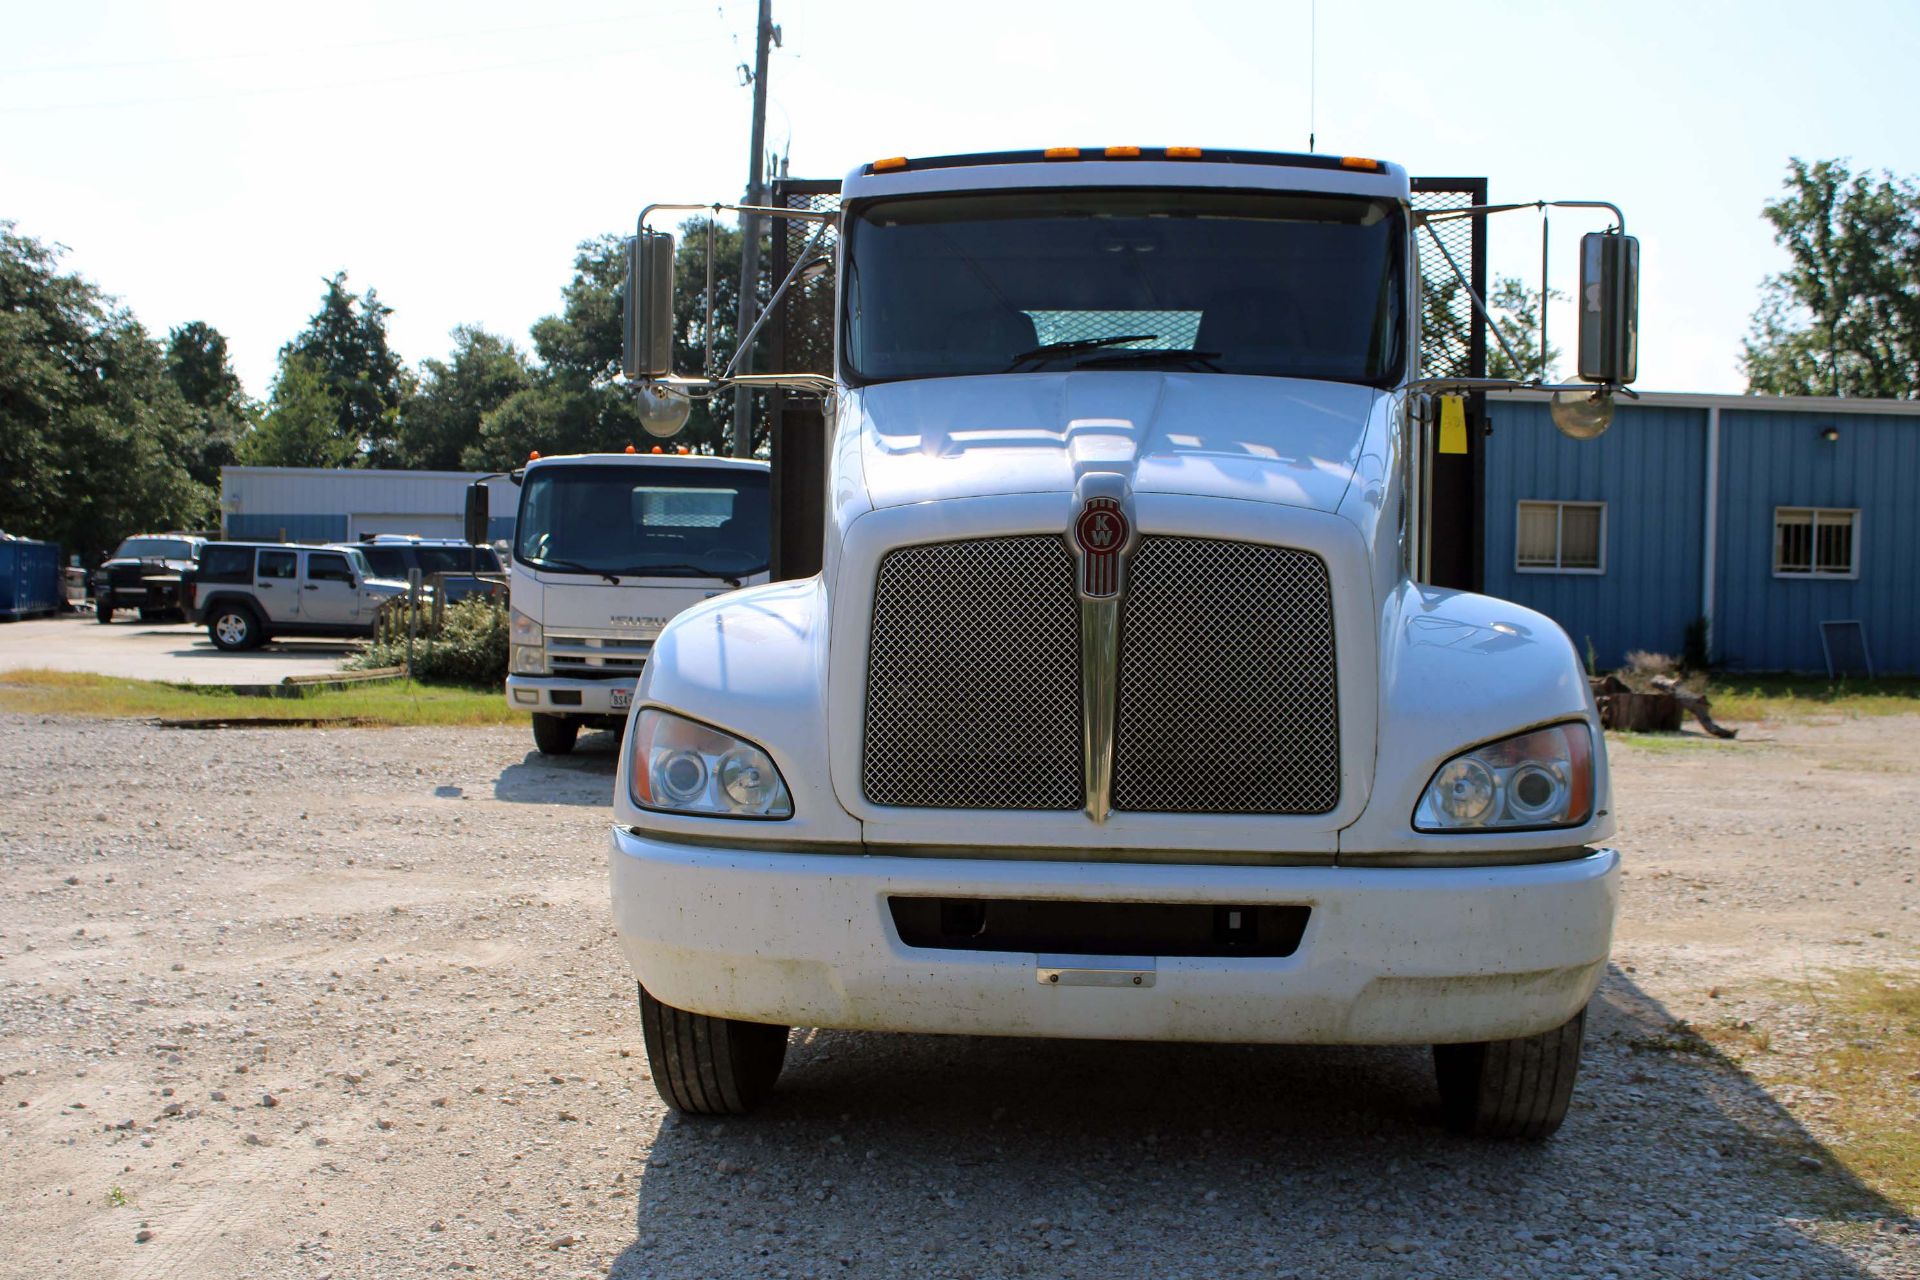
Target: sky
218	161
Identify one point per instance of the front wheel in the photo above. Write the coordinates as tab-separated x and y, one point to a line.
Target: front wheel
555	735
1510	1088
103	608
710	1066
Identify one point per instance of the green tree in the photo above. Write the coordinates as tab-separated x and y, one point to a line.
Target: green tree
221	412
1516	309
443	419
1444	330
301	427
1844	318
92	427
578	401
346	342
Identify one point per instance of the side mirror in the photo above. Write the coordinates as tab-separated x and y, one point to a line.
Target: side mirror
478	509
647	306
1609	308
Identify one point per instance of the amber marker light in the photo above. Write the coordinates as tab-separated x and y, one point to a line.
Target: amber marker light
1358	162
631	449
888	165
534	456
1062	153
1183	153
1122	153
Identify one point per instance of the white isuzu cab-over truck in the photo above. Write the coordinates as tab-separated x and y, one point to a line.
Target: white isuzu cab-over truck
607	548
1119	708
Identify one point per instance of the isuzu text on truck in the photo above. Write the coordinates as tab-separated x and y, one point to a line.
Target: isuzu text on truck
606	548
1120	708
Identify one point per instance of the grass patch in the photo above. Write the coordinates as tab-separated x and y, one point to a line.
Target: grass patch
1866	1068
68	693
1666	744
1790	697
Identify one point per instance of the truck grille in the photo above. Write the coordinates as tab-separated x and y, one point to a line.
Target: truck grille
1227	689
596	657
1228	696
973	677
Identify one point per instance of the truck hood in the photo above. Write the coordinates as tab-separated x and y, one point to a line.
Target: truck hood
1279	440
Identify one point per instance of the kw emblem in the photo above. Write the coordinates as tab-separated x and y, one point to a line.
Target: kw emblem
1103	536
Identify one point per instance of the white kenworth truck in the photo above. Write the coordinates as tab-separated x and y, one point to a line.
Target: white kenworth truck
1120	707
607	548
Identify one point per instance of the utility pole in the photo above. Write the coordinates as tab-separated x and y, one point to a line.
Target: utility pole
766	34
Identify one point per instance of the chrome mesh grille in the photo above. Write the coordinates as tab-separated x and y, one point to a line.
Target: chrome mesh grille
973	677
1228	696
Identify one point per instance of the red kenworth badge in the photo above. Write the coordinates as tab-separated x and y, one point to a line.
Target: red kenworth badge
1102	534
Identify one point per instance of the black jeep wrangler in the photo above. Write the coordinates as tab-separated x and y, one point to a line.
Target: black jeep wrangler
144	574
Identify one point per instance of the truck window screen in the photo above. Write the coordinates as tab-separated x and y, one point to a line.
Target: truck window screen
1303	286
693	521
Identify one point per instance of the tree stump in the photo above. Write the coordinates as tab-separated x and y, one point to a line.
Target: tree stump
1640	712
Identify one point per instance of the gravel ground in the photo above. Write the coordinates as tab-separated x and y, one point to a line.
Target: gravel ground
308	1004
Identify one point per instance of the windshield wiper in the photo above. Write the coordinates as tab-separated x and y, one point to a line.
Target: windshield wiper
1175	355
573	566
1052	349
675	570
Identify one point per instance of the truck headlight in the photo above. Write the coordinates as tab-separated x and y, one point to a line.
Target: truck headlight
1538	779
529	660
526	630
683	766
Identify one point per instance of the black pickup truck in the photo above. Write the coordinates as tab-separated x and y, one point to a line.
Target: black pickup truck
144	574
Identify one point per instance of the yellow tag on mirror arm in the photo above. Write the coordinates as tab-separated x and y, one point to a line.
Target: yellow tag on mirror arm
1453	424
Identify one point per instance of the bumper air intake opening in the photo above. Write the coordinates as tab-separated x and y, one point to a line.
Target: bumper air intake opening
565	697
1099	928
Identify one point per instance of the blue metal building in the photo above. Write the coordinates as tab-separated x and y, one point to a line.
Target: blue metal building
320	504
1789	523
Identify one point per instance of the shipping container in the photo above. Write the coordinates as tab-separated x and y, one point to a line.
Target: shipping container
29	578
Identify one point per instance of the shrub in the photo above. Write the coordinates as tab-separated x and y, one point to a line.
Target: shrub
468	647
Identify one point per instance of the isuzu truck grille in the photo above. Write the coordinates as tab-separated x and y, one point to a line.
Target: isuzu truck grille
1228	698
973	677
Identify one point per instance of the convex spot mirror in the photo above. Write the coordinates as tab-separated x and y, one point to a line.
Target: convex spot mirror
647	306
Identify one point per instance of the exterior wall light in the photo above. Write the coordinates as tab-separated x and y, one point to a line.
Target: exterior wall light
1830	434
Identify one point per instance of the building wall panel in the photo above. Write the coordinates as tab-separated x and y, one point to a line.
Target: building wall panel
1778	459
1649	469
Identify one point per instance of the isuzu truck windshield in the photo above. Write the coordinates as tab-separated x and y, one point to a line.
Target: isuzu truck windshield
693	522
1303	286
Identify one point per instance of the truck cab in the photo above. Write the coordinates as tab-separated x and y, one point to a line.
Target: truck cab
608	548
1119	708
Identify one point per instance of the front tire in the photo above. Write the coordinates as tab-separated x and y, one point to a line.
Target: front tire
103	608
710	1066
1510	1088
555	735
234	627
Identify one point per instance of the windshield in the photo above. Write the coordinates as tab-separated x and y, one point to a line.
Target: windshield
1303	286
675	522
159	548
387	562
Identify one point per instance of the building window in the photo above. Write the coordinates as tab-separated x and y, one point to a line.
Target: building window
1815	542
1561	537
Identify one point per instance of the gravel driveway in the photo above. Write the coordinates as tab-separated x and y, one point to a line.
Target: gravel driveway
307	1004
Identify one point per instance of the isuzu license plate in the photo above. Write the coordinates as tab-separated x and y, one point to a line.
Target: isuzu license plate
622	699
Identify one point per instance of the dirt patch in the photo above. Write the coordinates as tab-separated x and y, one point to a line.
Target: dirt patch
348	1002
